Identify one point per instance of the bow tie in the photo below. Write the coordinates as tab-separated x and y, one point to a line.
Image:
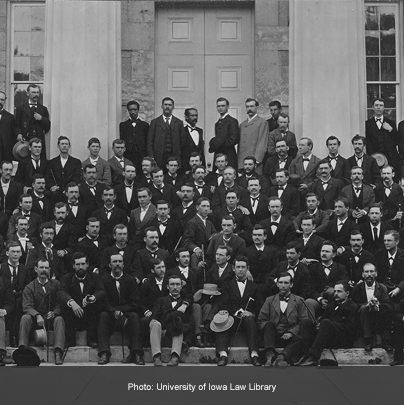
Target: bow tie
389	187
327	267
91	186
163	223
372	287
274	223
282	160
129	186
379	119
173	299
26	215
358	158
281	187
324	182
219	175
241	281
191	128
356	254
74	205
357	189
306	160
94	239
332	158
292	268
284	298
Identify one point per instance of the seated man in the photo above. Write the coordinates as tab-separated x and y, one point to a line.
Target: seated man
80	297
120	310
103	167
309	241
241	298
375	312
221	272
279	319
180	304
41	309
6	308
336	327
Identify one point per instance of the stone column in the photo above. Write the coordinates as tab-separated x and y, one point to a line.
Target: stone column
83	72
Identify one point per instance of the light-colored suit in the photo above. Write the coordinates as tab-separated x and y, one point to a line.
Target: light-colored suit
103	170
136	226
253	140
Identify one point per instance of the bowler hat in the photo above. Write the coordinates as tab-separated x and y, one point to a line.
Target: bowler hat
210	289
26	356
21	150
174	322
328	293
220	322
40	337
380	159
294	180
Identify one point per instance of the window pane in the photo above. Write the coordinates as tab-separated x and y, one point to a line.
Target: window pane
22	43
387	18
371	18
388	93
389	113
387	42
22	18
372	43
36	73
38	19
388	67
372	93
372	69
37	43
21	68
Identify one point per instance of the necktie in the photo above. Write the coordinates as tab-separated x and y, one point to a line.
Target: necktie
118	286
122	163
36	164
163	223
374	233
340	224
356	257
44	286
254	200
284	298
391	260
49	255
325	184
357	189
108	212
327	270
129	186
167	123
306	160
333	161
387	190
15	281
241	281
274	224
92	189
40	202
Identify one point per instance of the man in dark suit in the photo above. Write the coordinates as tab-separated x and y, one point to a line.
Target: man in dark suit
118	162
143	178
126	192
93	244
337	327
19	277
134	132
78	213
390	195
164	138
389	262
32	164
279	319
355	257
91	190
275	108
227	134
8	131
340	168
10	190
161	191
309	241
255	202
374	230
32	118
280	160
375	312
6	309
198	179
193	140
62	170
187	210
360	196
176	302
41	204
241	299
215	177
282	133
120	310
382	137
325	187
168	229
109	215
81	295
305	164
221	272
371	171
288	194
173	177
249	171
339	228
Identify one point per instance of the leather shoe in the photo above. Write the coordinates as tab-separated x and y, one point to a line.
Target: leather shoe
281	362
198	342
13	341
92	344
310	361
255	361
58	358
368	348
270	359
397	363
127	360
139	359
174	361
222	361
104	359
157	360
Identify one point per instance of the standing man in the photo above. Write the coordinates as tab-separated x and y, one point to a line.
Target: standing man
339	166
118	162
382	137
32	118
102	166
280	160
165	135
126	192
134	132
192	138
253	136
10	190
275	108
282	132
8	131
227	134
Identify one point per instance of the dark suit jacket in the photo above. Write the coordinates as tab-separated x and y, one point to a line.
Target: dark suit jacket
290	201
391	204
368	196
88	199
243	222
272	165
142	181
6	295
142	262
135	140
312	248
193	283
342	169
359	293
163	304
150	293
265	182
167	194
320	280
61	176
219	196
26	170
23	277
28	251
272	124
40	252
355	269
283	235
275	136
212	275
227	136
8	135
9	202
117	170
122	201
137	227
47	211
261	212
169	239
308	176
367	232
190	147
182	217
342	237
321	219
118	216
176	182
129	256
261	263
383	141
393	277
78	221
34	222
196	234
156	138
93	252
204	192
66	238
326	197
235	242
371	170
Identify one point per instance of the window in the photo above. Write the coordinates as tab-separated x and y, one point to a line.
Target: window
382	61
28	45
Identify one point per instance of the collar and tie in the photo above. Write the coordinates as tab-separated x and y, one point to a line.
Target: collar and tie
163	223
241	281
274	224
357	189
129	186
306	160
284	298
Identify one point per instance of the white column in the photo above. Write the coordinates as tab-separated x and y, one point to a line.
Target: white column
327	71
83	72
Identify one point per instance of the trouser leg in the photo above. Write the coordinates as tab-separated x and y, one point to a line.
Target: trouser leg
59	333
155	337
25	329
135	332
176	346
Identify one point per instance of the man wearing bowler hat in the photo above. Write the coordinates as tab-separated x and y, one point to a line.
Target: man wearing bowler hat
42	310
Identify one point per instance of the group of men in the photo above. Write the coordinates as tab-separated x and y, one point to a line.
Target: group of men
287	248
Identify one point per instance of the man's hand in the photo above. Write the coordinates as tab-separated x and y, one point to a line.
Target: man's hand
40	321
246	313
3	312
307	262
198	295
323	303
148	314
212	189
223	312
303	187
61	253
244	210
19	137
117	314
37	116
54	188
50	315
340	250
399	215
387	126
182	308
395	292
286	336
78	311
198	253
